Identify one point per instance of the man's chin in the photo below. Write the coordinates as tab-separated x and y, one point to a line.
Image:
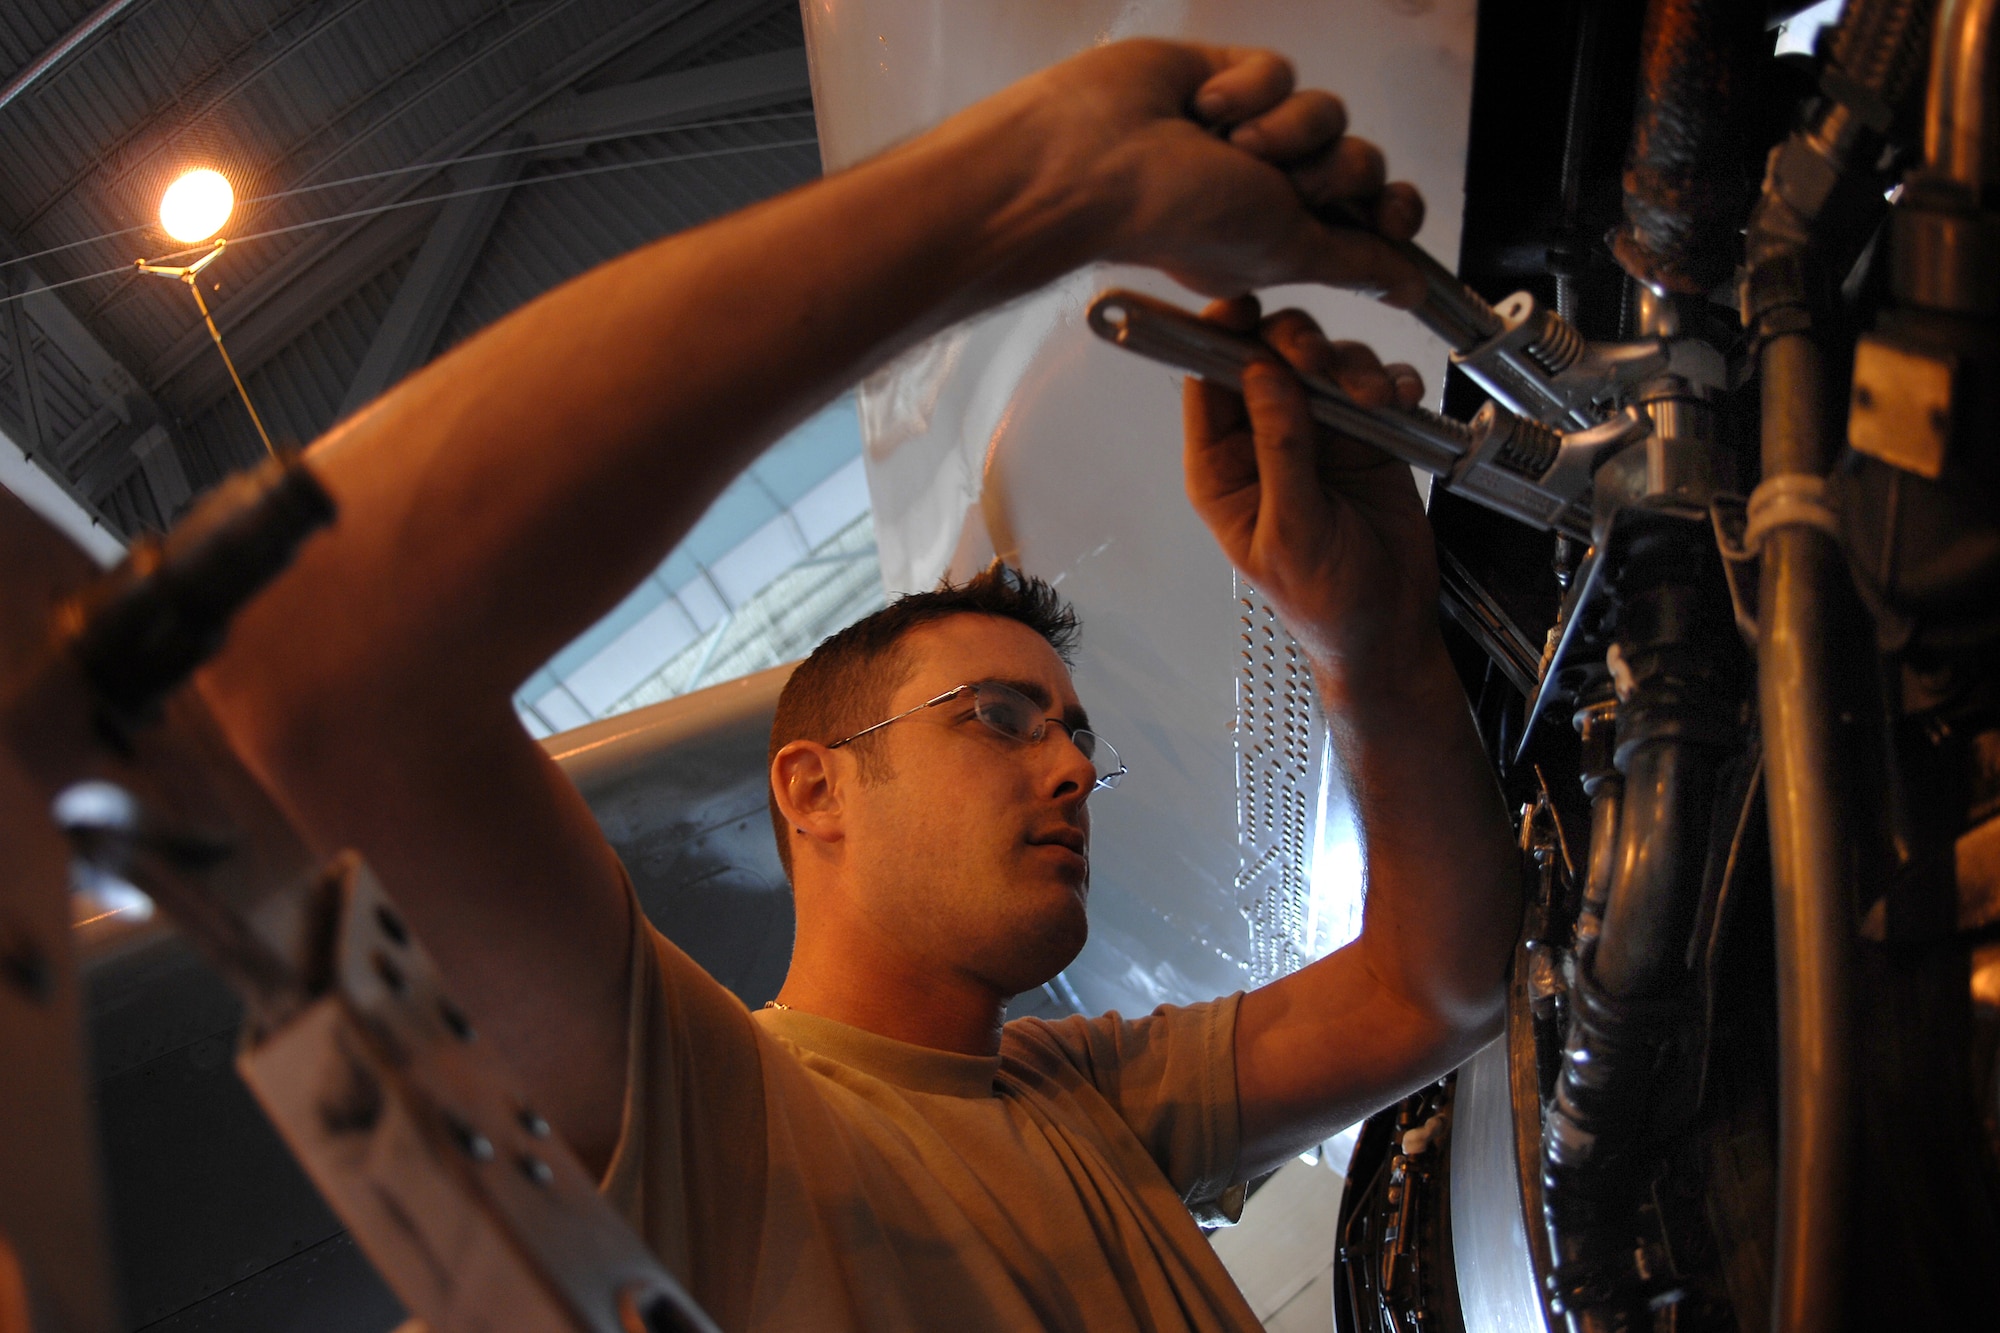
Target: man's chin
1056	945
1067	940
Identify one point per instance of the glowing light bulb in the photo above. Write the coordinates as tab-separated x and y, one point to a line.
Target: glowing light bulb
195	206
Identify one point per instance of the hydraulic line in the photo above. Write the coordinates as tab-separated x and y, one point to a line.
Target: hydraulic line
1880	47
1793	253
1812	882
1661	843
1570	256
1684	191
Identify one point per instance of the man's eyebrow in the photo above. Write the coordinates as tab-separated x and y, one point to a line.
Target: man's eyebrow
1034	689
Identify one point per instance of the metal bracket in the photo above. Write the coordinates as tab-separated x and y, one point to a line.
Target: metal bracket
462	1197
475	1213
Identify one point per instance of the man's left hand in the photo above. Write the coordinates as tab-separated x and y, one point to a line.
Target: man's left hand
1331	531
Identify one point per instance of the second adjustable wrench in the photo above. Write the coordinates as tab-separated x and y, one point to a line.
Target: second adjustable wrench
1500	459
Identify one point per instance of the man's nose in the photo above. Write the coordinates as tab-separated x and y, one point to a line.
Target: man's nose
1072	764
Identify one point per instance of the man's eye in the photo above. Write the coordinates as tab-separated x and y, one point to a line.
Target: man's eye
997	718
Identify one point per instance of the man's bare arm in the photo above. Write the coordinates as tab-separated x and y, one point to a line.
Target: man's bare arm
495	504
1333	534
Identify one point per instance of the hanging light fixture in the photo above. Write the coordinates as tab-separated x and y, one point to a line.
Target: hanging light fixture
193	209
196	205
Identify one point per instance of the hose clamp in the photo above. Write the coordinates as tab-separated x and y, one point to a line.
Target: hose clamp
1788	500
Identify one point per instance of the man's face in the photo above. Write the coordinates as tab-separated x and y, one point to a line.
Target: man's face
974	852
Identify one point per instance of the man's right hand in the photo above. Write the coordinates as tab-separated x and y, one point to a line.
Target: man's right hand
1205	162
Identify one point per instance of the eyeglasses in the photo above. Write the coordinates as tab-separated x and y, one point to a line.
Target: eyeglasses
1018	718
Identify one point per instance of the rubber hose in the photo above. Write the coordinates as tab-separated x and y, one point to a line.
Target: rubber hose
1686	192
1883	46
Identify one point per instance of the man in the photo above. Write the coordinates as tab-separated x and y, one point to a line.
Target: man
862	1158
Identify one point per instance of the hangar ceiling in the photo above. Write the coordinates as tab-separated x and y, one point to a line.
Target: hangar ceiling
406	173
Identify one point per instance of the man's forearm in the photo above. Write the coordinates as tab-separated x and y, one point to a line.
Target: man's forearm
1443	891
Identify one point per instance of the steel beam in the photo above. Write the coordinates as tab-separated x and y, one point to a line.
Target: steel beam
431	288
712	22
121	400
61	327
667	100
54	55
111	413
410	329
27	378
146	450
103	467
165	477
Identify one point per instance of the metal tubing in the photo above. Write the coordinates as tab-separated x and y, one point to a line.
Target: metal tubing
1803	577
1959	125
1803	587
194	285
55	55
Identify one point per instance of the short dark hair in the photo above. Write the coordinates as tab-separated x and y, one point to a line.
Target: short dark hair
846	684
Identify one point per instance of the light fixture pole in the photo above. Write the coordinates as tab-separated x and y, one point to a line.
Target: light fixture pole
191	274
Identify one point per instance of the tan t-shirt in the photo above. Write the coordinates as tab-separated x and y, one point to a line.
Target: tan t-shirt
797	1173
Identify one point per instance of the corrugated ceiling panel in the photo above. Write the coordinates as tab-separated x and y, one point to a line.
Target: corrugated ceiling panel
27	27
100	116
286	96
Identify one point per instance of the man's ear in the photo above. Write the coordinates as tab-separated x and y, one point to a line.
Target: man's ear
807	786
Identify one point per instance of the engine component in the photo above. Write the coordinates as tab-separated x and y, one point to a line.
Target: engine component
1539	365
1395	1224
1676	718
1711	1087
1527	356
